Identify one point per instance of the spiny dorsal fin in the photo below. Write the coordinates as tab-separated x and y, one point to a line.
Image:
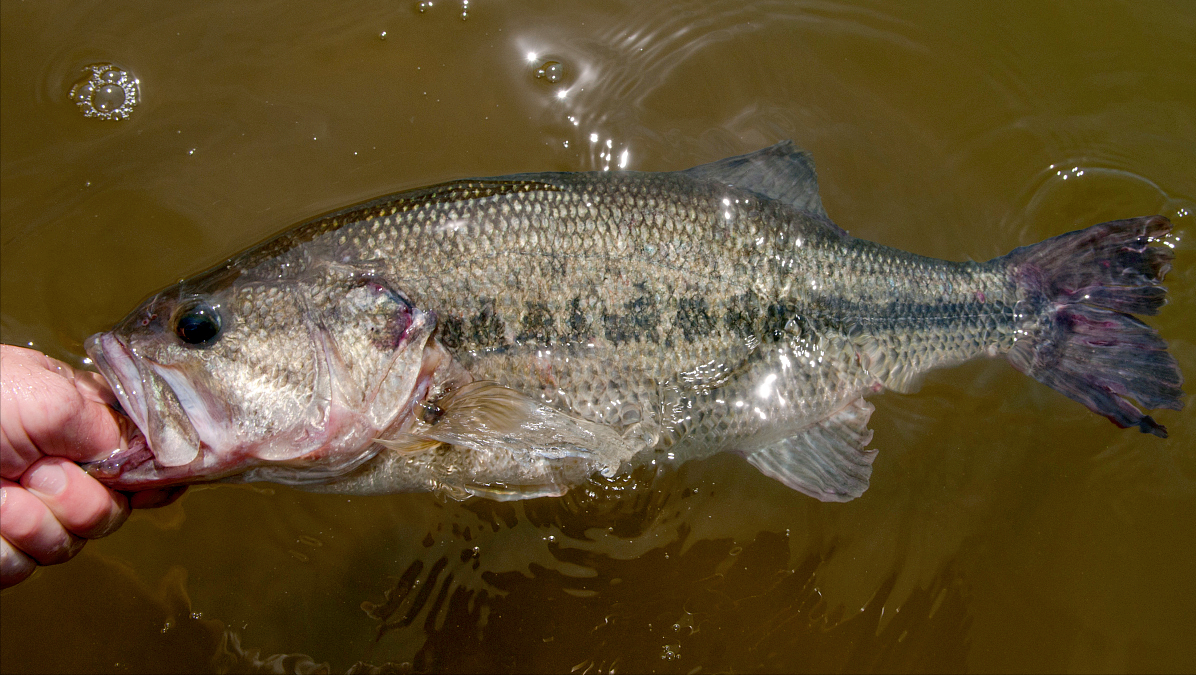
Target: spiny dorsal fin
827	460
783	172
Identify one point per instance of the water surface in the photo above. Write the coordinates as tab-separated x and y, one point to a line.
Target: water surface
1006	529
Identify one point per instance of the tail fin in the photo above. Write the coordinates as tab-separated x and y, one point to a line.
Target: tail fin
1078	293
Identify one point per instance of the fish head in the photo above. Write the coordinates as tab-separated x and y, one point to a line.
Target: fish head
291	375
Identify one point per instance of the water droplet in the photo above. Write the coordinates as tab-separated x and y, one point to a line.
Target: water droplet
106	92
552	71
425	6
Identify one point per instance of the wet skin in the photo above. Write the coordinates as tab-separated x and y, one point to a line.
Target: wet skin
52	416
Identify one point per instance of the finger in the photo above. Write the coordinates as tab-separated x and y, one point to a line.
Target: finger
29	525
80	503
154	499
47	410
15	566
93	387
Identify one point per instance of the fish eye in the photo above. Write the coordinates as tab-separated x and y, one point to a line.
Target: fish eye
197	323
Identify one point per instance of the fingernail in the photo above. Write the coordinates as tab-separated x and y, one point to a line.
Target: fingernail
48	479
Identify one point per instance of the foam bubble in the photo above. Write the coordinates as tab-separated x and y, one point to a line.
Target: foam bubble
106	92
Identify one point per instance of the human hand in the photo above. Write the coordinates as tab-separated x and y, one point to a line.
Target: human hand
52	416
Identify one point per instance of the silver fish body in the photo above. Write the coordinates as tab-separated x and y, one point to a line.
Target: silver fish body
510	337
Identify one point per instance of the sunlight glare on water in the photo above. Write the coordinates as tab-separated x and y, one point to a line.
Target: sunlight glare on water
1006	527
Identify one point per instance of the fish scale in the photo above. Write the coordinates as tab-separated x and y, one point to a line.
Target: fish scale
511	337
636	298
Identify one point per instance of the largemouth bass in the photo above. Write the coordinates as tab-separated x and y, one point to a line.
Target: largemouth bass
511	337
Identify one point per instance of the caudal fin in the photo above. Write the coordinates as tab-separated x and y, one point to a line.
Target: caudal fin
1079	292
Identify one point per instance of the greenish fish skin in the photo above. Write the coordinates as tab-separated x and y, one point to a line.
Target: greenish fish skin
616	318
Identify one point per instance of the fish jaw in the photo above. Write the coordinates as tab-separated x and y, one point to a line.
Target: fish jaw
336	438
134	465
177	420
146	458
119	368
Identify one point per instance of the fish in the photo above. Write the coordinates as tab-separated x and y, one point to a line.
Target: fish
514	337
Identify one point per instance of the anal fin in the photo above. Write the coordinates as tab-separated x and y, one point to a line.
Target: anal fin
826	461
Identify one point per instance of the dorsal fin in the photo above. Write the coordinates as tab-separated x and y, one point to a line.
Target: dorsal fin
783	172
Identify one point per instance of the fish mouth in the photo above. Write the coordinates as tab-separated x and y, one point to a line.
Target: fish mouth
173	416
187	435
115	362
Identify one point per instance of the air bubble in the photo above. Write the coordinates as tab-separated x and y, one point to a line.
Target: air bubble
551	71
107	92
109	98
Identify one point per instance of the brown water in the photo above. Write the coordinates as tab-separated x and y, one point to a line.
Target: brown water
1006	529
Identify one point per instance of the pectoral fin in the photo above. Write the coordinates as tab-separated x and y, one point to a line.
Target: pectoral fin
519	447
827	460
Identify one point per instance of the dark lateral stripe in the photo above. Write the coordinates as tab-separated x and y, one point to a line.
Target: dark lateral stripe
639	320
537	325
486	328
903	315
696	319
693	318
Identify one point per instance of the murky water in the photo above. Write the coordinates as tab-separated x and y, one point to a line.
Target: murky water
1006	528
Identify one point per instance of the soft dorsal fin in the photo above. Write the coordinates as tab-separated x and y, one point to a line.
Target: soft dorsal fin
783	172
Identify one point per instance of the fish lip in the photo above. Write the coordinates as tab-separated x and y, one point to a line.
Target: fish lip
115	362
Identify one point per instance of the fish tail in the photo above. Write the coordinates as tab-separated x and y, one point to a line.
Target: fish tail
1076	330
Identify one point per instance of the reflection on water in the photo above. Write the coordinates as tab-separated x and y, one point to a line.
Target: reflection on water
1006	528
